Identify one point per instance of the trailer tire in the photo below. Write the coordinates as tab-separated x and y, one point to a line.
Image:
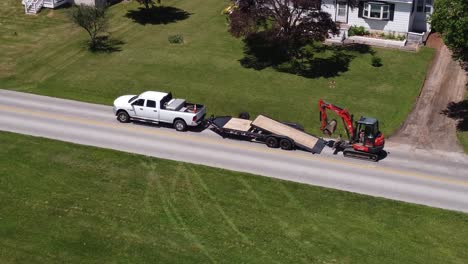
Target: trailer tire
180	125
271	142
244	115
286	144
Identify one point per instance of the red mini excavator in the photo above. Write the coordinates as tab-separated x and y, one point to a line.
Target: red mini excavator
365	139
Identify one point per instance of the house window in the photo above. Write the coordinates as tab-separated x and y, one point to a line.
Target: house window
420	5
376	11
428	7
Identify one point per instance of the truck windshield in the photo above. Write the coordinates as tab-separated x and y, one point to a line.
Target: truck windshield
133	98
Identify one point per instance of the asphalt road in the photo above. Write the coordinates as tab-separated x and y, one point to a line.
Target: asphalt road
438	179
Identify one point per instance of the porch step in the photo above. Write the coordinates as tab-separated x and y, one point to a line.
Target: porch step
337	38
33	6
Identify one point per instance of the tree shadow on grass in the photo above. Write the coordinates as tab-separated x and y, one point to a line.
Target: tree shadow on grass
310	66
261	51
459	112
157	15
360	48
106	44
313	61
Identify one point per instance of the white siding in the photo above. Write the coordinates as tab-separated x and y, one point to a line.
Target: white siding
329	6
54	3
89	2
400	23
400	1
85	2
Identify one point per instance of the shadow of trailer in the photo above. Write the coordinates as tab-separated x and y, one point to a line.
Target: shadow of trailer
273	133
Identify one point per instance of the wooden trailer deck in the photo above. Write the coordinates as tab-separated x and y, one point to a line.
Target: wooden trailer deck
238	124
300	138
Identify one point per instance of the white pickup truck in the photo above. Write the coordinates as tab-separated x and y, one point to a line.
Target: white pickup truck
158	107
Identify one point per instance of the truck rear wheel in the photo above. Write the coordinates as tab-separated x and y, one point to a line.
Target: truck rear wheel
123	117
271	142
286	144
180	125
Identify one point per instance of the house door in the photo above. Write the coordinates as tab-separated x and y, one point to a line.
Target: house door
342	11
422	13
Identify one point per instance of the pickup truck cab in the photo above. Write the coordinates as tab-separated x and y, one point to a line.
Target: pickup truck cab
156	107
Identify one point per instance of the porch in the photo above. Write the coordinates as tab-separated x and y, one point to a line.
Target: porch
35	6
411	41
407	18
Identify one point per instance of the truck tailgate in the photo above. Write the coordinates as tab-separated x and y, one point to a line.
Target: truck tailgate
200	113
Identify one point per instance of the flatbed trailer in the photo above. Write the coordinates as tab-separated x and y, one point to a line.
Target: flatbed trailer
266	130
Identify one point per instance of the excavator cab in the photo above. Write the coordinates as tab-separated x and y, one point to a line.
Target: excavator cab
367	131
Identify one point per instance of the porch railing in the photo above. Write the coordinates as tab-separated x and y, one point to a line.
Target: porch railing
33	6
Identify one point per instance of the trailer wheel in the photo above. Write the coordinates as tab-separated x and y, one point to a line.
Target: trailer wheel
244	115
286	144
271	142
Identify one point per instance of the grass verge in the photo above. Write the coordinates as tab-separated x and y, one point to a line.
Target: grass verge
69	203
462	126
46	54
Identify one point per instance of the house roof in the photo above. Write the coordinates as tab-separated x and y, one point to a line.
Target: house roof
153	95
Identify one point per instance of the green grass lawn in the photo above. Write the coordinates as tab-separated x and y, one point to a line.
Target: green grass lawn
66	203
46	54
463	137
463	126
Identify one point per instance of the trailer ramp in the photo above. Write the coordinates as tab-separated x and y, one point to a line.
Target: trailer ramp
301	139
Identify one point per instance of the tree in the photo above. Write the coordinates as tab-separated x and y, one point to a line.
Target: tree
92	19
450	18
293	23
148	3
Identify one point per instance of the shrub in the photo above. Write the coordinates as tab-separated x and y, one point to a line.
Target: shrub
376	61
393	36
176	39
357	31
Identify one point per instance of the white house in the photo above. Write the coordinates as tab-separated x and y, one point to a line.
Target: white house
34	6
401	16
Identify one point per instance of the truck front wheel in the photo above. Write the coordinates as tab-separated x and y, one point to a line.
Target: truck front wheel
271	142
123	117
180	125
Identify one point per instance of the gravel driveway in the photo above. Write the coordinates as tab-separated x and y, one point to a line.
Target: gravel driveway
427	126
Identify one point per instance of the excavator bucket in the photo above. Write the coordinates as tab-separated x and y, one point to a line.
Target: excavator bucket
330	128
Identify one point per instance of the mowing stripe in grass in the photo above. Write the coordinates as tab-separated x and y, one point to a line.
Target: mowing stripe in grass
69	203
